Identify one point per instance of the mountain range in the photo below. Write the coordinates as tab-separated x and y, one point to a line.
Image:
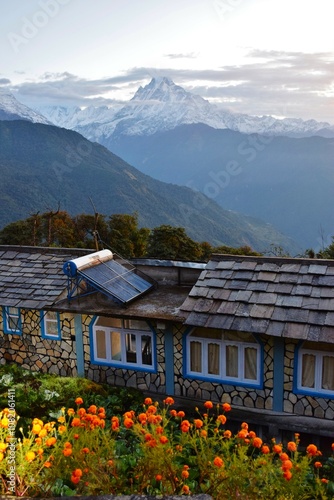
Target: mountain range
162	105
42	166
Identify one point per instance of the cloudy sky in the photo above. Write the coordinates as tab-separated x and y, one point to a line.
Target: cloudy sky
251	56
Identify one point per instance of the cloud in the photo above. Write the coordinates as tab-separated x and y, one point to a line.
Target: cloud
4	81
292	84
189	55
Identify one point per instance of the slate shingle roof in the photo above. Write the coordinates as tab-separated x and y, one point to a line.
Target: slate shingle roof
32	277
276	296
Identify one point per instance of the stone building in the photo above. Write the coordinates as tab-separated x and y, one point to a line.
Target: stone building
256	332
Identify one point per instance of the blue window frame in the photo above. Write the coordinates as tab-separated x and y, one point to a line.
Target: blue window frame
123	343
234	358
50	325
314	369
12	320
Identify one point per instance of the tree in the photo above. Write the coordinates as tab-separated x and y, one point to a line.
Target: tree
167	242
125	237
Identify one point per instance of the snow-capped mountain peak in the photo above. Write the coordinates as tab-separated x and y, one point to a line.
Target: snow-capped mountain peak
12	109
162	105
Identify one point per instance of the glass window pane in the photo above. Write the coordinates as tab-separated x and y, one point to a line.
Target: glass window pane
134	324
130	345
196	357
146	349
115	344
232	361
250	363
328	373
213	359
308	370
101	351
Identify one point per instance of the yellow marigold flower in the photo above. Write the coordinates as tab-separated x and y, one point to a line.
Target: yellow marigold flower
36	429
70	412
218	462
208	405
4	422
1	456
61	429
292	446
42	433
37	421
3	446
30	456
61	419
79	401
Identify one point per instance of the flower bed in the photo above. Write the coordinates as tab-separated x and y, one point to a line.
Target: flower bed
155	451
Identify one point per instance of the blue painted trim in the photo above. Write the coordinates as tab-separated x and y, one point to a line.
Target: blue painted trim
278	388
169	360
217	380
79	345
305	392
5	314
44	334
125	366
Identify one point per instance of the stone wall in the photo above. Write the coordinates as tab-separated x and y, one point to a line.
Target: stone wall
35	353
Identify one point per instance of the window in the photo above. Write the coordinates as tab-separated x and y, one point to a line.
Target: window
50	324
12	320
123	343
315	369
225	356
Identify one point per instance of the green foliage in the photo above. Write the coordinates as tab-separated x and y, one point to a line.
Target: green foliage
167	242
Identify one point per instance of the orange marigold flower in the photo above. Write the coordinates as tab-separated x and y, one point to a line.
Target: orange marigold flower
186	489
76	422
38	440
208	405
244	425
324	480
185	474
67	452
287	465
198	423
287	475
185	426
173	413
226	407
265	449
159	429
252	434
152	443
277	448
30	456
50	441
169	401
158	477
284	456
85	450
203	433
110	463
163	439
77	472
242	434
181	414
61	419
292	446
312	450
128	423
93	409
75	479
61	429
317	465
78	401
227	434
67	444
333	446
81	412
222	419
70	412
47	464
142	417
218	462
76	436
148	401
257	442
151	410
